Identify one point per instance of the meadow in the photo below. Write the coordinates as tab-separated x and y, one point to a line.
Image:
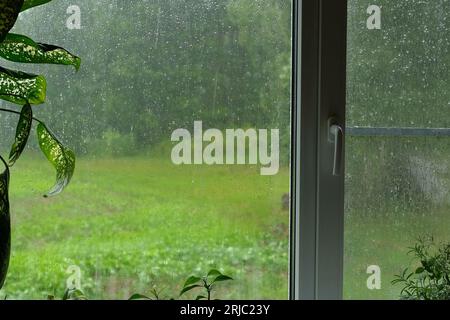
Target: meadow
134	223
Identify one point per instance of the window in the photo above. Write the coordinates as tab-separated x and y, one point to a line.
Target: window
133	217
385	127
300	147
397	139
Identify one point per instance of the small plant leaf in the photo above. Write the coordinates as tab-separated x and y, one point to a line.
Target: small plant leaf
22	133
5	224
138	296
420	270
200	298
191	280
222	277
20	87
9	10
19	48
66	295
75	295
27	4
61	157
189	288
214	272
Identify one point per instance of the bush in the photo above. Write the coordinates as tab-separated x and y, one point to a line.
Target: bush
431	280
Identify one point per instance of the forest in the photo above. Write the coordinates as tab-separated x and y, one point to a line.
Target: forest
155	66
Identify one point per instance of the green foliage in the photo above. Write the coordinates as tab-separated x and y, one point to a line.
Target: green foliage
138	296
224	62
18	48
207	283
21	88
125	236
70	294
77	294
27	89
22	133
112	143
9	10
431	279
398	75
61	157
27	4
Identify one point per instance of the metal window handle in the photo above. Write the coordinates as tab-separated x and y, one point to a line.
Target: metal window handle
336	136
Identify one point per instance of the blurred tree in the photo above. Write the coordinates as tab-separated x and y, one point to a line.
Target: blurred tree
156	65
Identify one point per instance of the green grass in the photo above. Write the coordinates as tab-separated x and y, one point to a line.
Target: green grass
132	223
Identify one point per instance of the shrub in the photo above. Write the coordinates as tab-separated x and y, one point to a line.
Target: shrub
431	280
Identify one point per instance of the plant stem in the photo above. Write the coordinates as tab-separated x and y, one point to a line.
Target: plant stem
17	112
4	162
209	293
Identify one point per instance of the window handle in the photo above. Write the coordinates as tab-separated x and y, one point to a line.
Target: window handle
336	136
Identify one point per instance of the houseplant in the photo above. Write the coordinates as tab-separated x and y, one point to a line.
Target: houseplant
26	90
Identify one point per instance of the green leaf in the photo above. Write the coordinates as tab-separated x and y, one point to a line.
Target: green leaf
214	272
27	4
222	278
191	280
138	296
420	270
61	157
5	224
20	87
19	48
22	133
9	10
200	298
188	288
66	295
75	294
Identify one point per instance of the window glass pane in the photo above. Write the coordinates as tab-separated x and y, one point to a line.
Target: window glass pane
397	171
398	74
132	218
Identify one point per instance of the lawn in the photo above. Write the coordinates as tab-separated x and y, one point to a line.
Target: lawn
134	223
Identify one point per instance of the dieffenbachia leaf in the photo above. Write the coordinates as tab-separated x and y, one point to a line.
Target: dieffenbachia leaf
9	10
20	87
22	133
5	224
61	157
22	49
27	4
